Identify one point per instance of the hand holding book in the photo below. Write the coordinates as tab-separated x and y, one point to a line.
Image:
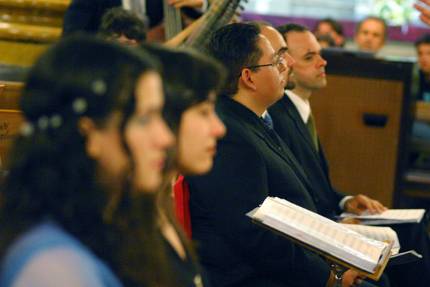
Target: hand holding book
390	216
324	236
361	203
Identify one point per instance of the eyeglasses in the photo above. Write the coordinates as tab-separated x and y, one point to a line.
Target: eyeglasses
279	61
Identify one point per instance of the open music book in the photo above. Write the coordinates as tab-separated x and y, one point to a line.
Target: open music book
385	234
324	236
390	216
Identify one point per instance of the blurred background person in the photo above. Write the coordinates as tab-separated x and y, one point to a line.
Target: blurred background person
371	34
329	28
422	46
123	26
326	41
85	15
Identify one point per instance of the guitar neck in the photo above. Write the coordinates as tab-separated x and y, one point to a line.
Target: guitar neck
172	20
219	14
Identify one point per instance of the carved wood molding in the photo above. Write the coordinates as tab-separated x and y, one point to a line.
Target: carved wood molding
54	5
23	32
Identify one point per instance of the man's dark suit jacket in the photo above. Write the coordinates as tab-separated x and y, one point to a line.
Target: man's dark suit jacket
293	131
251	163
290	127
85	15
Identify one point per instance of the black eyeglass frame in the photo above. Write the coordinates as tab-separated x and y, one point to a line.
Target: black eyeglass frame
278	59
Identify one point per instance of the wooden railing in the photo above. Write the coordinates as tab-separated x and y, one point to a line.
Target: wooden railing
29	20
9	95
10	123
54	5
28	27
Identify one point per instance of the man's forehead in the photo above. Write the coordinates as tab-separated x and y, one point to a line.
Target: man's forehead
373	25
302	40
265	44
275	38
424	46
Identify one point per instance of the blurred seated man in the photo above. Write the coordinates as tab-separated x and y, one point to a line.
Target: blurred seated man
422	46
122	26
420	129
328	27
371	34
293	121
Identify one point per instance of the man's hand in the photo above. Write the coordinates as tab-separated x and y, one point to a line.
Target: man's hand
350	220
361	203
351	278
424	10
186	3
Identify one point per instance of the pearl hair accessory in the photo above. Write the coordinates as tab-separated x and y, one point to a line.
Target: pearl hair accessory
79	107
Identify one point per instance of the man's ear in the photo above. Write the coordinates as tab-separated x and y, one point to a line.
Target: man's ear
88	129
247	79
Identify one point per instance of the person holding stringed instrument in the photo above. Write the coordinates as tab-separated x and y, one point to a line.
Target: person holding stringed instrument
85	15
123	27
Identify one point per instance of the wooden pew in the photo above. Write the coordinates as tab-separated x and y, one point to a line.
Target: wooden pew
362	121
9	95
10	123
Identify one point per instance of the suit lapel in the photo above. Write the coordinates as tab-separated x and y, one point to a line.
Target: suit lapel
251	122
293	113
284	151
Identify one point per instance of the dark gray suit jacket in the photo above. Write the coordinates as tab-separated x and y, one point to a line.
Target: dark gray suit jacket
293	131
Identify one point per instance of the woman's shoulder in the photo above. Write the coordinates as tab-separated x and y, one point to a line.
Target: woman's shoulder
48	256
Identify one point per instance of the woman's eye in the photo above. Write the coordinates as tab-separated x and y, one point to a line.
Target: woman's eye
205	112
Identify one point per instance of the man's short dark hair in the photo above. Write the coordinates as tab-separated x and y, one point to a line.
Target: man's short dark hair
117	21
336	26
424	39
373	18
291	27
236	46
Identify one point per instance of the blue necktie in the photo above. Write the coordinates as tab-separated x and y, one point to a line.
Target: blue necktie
267	120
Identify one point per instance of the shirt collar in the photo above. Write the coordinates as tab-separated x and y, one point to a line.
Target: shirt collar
302	106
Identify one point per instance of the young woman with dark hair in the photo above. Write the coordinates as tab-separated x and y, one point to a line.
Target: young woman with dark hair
191	83
74	209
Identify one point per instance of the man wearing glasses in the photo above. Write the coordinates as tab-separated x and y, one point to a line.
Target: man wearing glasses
251	163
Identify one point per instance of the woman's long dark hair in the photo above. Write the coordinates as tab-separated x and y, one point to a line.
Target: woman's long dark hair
189	77
52	177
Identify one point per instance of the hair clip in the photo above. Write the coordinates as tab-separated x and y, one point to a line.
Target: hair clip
43	123
99	87
27	129
55	121
79	106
